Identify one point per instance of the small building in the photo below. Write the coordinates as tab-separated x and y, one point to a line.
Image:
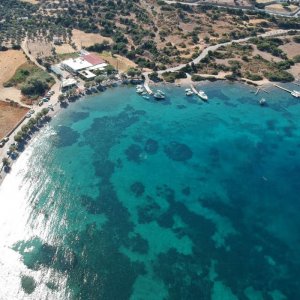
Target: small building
56	70
86	74
67	84
57	40
96	62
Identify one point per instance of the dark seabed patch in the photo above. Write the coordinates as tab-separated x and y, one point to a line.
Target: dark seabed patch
178	151
137	188
66	136
78	116
151	146
133	153
28	284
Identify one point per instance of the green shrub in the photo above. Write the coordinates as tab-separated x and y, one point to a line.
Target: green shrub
254	77
281	76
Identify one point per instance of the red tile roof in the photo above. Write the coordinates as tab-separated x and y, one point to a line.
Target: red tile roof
93	59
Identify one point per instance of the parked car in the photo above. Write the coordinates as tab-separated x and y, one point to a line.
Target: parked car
1	144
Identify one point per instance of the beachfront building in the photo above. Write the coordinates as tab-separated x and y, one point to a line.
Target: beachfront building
74	65
68	84
85	65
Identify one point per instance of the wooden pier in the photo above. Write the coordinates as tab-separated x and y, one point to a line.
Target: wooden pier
282	88
146	85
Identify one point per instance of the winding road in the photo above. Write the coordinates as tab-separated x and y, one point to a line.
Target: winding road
245	8
204	53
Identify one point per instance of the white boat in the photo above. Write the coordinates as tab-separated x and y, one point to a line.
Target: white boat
262	101
202	95
160	92
189	93
140	90
159	96
295	93
187	90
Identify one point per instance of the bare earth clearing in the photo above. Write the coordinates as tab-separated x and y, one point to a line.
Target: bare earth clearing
82	39
117	61
64	48
291	49
39	48
9	116
10	61
31	1
280	9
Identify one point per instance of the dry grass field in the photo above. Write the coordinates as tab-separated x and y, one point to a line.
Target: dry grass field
280	9
39	48
82	39
291	49
10	61
9	116
117	61
31	1
64	48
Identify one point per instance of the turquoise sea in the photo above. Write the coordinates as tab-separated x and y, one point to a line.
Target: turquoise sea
120	198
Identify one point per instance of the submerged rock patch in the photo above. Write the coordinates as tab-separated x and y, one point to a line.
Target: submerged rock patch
178	151
151	146
137	188
66	136
28	284
133	153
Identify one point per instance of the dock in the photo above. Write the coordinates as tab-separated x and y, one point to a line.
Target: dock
282	88
146	85
196	92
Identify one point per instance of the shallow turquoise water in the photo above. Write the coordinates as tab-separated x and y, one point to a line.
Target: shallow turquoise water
124	198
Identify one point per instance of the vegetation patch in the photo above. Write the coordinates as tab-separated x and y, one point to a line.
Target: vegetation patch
32	80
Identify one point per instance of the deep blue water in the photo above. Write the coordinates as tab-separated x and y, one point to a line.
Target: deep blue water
124	198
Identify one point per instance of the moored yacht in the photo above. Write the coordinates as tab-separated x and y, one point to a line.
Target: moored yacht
159	96
295	93
202	95
262	101
189	92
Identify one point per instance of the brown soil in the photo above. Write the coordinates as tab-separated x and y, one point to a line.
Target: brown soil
10	61
82	39
291	49
10	115
39	48
117	61
64	48
265	55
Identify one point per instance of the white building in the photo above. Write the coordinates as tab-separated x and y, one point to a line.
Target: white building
84	65
75	65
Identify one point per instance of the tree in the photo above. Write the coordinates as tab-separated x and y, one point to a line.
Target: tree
61	97
110	70
5	161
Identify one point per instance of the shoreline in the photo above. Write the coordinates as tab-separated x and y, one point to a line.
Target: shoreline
57	107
